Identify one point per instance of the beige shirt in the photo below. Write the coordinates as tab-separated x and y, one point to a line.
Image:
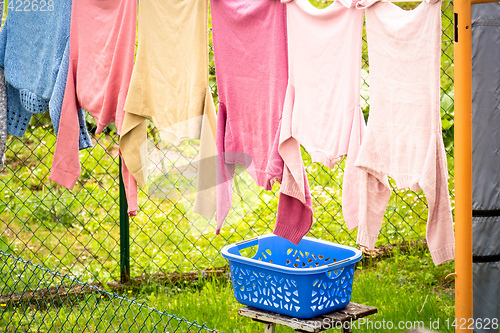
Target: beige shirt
170	86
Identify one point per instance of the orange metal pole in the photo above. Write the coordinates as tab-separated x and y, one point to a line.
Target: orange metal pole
463	166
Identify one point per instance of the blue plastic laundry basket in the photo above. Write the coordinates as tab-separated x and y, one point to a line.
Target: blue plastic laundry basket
302	281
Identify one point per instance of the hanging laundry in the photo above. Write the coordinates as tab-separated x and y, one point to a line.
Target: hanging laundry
34	53
3	107
170	86
101	56
252	74
403	139
322	107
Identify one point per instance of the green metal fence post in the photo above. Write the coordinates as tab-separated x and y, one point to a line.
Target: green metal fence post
124	232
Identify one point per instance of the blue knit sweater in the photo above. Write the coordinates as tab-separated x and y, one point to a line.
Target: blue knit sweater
34	53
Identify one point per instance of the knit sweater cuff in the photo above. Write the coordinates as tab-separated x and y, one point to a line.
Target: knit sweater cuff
364	239
63	178
287	232
444	254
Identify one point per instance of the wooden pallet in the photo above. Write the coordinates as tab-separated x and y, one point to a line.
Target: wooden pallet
340	318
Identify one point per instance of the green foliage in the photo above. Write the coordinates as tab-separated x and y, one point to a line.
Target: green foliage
407	287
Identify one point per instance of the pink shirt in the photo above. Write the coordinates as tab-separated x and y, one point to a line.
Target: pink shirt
403	137
102	42
322	107
252	74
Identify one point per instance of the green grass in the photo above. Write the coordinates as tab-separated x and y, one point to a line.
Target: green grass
78	231
396	286
406	288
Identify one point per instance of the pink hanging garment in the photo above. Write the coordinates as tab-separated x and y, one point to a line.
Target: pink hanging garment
252	73
403	139
322	107
102	42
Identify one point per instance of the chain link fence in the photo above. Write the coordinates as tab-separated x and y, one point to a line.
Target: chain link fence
78	232
36	299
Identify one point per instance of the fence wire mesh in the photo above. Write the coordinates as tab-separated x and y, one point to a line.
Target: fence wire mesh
77	232
36	299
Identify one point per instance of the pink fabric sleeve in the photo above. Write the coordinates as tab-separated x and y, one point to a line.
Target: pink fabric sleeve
353	176
130	190
375	193
289	149
439	234
66	163
275	165
294	218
